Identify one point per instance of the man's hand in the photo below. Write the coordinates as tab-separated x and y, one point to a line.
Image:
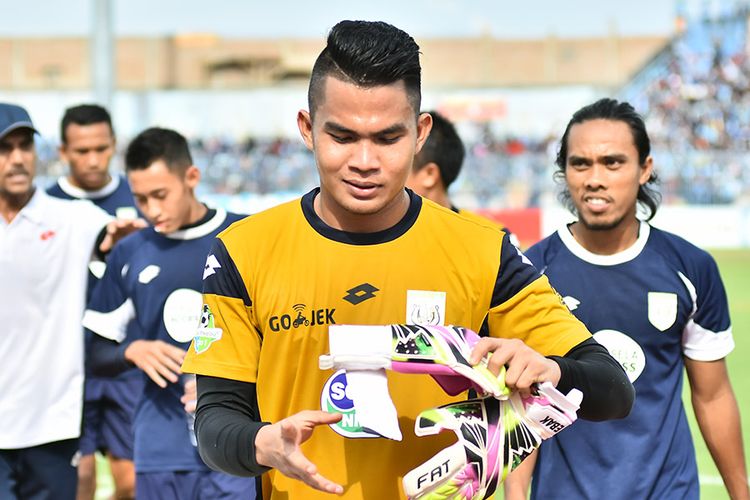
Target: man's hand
524	366
190	398
277	446
118	229
158	359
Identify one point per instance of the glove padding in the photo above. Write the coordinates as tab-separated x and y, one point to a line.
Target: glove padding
494	437
440	351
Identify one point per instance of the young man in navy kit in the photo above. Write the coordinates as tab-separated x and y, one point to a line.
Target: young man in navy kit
87	146
146	309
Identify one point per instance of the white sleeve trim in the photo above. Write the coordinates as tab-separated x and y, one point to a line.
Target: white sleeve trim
112	325
704	345
701	344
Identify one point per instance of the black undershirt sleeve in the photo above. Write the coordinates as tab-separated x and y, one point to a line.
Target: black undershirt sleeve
608	394
226	423
106	358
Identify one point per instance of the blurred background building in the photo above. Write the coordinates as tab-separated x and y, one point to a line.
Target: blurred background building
236	99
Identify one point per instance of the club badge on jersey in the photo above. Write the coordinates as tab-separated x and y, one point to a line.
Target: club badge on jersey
495	431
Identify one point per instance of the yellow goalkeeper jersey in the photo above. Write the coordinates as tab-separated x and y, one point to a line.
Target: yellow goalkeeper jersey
275	281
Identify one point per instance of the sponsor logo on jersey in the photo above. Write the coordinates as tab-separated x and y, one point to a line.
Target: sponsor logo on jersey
182	314
148	274
625	350
212	264
207	332
360	293
335	398
571	303
425	307
301	316
46	235
662	309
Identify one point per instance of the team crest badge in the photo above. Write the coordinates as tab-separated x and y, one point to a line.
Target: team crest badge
662	309
425	307
207	333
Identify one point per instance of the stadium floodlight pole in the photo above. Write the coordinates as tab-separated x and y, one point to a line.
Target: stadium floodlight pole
102	52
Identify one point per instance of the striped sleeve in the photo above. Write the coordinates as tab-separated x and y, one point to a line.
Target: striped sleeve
227	342
707	335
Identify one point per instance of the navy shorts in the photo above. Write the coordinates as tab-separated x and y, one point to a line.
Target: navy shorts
193	485
44	472
108	409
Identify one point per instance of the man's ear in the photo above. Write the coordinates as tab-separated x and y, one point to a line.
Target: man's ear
304	123
646	170
192	176
424	125
430	175
62	150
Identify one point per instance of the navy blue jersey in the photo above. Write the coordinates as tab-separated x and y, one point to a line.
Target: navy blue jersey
115	198
649	305
154	280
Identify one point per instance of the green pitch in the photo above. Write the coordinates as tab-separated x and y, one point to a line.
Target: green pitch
734	266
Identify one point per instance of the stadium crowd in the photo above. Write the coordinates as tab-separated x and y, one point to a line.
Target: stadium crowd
694	96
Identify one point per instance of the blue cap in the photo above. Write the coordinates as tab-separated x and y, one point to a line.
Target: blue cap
13	117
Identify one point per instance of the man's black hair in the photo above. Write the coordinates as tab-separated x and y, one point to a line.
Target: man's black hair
154	144
444	148
367	54
84	114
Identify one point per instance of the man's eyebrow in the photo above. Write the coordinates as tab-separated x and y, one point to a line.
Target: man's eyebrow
393	129
335	127
615	156
578	159
338	128
153	192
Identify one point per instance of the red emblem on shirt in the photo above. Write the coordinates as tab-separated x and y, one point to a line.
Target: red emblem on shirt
47	235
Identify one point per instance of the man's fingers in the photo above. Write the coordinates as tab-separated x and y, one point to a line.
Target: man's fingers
174	352
321	483
308	473
169	373
154	375
169	363
319	417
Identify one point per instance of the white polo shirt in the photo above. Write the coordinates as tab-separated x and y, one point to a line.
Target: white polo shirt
44	256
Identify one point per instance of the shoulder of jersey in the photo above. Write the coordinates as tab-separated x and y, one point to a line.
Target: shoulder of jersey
677	247
264	220
480	219
134	240
470	228
233	218
540	253
55	191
